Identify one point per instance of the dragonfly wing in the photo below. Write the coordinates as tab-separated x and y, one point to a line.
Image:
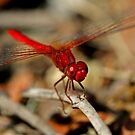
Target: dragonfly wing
105	28
9	55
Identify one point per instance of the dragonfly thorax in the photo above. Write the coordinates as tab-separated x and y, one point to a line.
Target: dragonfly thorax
62	59
77	71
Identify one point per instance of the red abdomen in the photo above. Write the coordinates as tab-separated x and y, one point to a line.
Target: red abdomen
62	58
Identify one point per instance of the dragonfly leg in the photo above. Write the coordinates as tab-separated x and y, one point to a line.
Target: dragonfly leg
84	92
58	92
73	87
68	87
81	85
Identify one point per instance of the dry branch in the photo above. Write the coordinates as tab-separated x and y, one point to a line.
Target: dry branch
19	110
80	103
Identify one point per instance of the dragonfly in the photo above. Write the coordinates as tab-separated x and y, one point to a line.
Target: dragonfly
63	57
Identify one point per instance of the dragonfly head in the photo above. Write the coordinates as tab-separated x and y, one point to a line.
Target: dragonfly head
77	71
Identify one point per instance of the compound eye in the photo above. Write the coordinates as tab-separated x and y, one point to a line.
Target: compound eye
82	71
80	75
71	71
82	66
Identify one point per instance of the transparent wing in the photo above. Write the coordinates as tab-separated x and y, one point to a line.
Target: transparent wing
101	29
21	52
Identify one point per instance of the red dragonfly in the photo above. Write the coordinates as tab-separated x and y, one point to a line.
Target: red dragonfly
63	57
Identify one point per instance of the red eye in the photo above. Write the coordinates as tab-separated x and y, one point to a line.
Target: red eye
81	65
82	71
77	71
80	75
71	71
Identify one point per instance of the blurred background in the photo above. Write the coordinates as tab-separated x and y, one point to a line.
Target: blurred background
110	83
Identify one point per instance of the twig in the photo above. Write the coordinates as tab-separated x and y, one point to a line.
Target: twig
80	103
40	93
92	115
26	115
